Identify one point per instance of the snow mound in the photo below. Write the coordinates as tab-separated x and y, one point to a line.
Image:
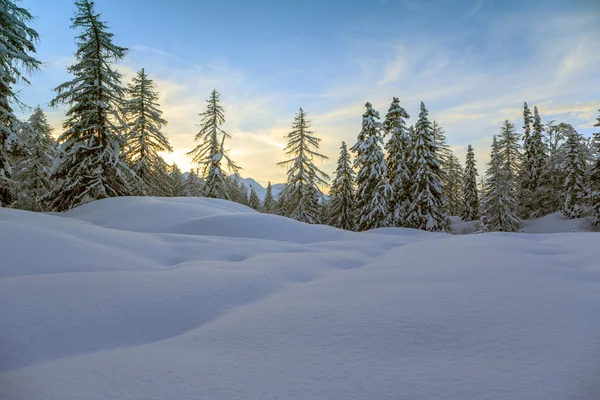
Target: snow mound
203	299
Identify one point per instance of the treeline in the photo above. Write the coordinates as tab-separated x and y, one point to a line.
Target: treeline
394	175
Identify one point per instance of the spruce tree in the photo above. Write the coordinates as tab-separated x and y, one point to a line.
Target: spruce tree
17	49
254	201
499	206
508	144
426	211
210	153
341	210
398	167
553	176
573	189
302	193
372	189
454	185
269	204
145	138
595	177
532	167
32	172
176	182
470	192
193	184
89	166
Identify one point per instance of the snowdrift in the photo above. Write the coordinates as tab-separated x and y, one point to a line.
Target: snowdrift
161	299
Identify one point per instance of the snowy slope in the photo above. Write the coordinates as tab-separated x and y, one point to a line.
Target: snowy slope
553	223
161	299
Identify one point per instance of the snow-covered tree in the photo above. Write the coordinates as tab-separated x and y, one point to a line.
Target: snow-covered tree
341	210
145	138
398	166
193	184
210	153
32	172
573	189
453	186
470	193
595	177
17	49
89	166
269	204
427	207
533	165
553	175
372	189
301	194
509	147
499	206
176	182
253	200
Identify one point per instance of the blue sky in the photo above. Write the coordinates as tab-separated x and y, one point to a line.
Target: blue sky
472	62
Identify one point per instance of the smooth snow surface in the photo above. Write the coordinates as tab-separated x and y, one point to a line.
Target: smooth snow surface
193	299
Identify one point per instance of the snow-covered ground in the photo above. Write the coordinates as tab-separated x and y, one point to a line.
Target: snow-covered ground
193	299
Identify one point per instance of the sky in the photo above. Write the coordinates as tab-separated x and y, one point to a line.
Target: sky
472	62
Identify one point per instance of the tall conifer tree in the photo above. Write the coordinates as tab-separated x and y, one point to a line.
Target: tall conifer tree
427	208
89	166
372	189
595	177
341	210
302	193
269	204
573	189
398	165
470	192
17	50
210	154
145	139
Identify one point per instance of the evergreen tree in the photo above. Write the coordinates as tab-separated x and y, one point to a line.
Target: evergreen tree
32	172
269	204
372	188
454	185
470	192
193	184
398	167
508	144
573	189
254	201
303	176
176	182
17	49
145	139
533	165
89	165
499	206
210	153
341	210
427	208
553	176
595	177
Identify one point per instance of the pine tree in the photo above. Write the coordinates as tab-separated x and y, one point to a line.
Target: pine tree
17	49
573	189
470	192
89	166
145	139
210	153
595	177
341	210
553	176
32	172
372	189
269	204
254	201
302	192
176	182
499	206
427	208
398	168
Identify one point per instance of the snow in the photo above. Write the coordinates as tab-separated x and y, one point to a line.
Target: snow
191	298
552	223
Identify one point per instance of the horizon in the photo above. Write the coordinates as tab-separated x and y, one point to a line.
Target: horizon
473	64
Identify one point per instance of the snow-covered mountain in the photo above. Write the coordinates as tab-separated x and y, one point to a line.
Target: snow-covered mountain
261	191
